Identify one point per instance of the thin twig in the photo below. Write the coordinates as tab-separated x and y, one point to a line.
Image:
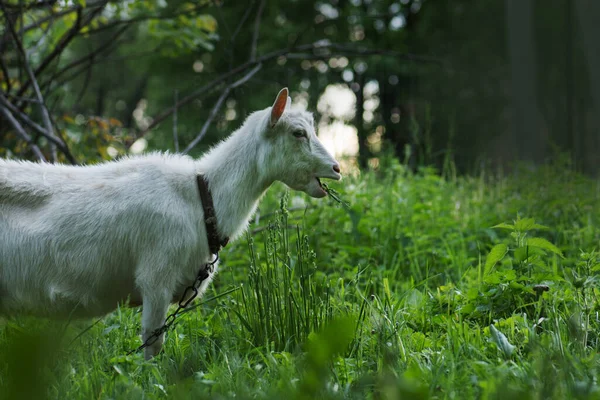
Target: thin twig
21	132
175	137
79	24
261	7
142	18
91	55
36	87
274	55
5	74
217	107
36	127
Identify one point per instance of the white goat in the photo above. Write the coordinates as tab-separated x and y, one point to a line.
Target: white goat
77	241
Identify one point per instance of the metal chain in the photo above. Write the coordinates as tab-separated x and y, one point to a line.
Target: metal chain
191	291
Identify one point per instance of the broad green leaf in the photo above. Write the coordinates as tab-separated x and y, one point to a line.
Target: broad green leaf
526	252
504	226
501	341
544	244
496	254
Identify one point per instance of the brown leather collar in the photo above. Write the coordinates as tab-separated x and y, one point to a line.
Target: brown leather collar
210	219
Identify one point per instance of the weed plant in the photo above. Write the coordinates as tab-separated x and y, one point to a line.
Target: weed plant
424	285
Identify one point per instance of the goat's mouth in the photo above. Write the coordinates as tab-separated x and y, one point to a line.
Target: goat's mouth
321	186
315	188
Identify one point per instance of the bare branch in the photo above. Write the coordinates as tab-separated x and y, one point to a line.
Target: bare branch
44	110
143	18
24	7
317	46
261	7
36	127
90	56
21	132
36	87
175	137
217	107
22	116
65	40
5	74
241	24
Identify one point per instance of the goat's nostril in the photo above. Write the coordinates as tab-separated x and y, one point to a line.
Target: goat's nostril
336	168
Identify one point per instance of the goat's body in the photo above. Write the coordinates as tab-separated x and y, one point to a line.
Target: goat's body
77	241
74	240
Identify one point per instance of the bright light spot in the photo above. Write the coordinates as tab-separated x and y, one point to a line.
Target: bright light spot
368	116
328	10
198	66
397	22
111	151
395	117
358	33
360	67
339	139
300	101
139	114
322	67
305	84
348	75
371	88
374	140
298	202
342	62
138	146
230	114
337	102
394	8
374	164
371	104
379	25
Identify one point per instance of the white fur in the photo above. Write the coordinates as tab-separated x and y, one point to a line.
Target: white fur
80	240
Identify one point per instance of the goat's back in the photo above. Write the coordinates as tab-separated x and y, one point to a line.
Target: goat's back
73	236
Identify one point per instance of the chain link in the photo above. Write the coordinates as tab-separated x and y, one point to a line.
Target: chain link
192	292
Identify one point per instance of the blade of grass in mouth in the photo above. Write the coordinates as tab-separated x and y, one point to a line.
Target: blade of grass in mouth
334	194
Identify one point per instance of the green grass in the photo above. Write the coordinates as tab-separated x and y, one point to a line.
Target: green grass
421	287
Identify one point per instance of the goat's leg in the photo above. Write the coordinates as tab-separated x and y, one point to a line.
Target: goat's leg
154	313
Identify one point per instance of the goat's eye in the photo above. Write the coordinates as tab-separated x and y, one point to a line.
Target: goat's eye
299	134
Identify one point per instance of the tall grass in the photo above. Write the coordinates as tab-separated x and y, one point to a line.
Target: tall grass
283	302
423	287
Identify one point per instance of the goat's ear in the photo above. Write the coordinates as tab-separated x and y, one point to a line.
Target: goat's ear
279	106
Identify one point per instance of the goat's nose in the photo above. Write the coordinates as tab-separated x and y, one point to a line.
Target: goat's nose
336	168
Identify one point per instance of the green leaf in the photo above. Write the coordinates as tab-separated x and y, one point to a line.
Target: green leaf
501	341
496	254
544	244
504	226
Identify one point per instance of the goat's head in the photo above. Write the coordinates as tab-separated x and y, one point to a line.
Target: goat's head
296	156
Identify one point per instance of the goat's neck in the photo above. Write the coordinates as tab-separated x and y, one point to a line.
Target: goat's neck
235	184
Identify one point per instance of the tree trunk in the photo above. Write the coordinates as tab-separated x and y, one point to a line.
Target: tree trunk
528	136
588	13
363	150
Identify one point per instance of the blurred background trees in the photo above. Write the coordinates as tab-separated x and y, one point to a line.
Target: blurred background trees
427	81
